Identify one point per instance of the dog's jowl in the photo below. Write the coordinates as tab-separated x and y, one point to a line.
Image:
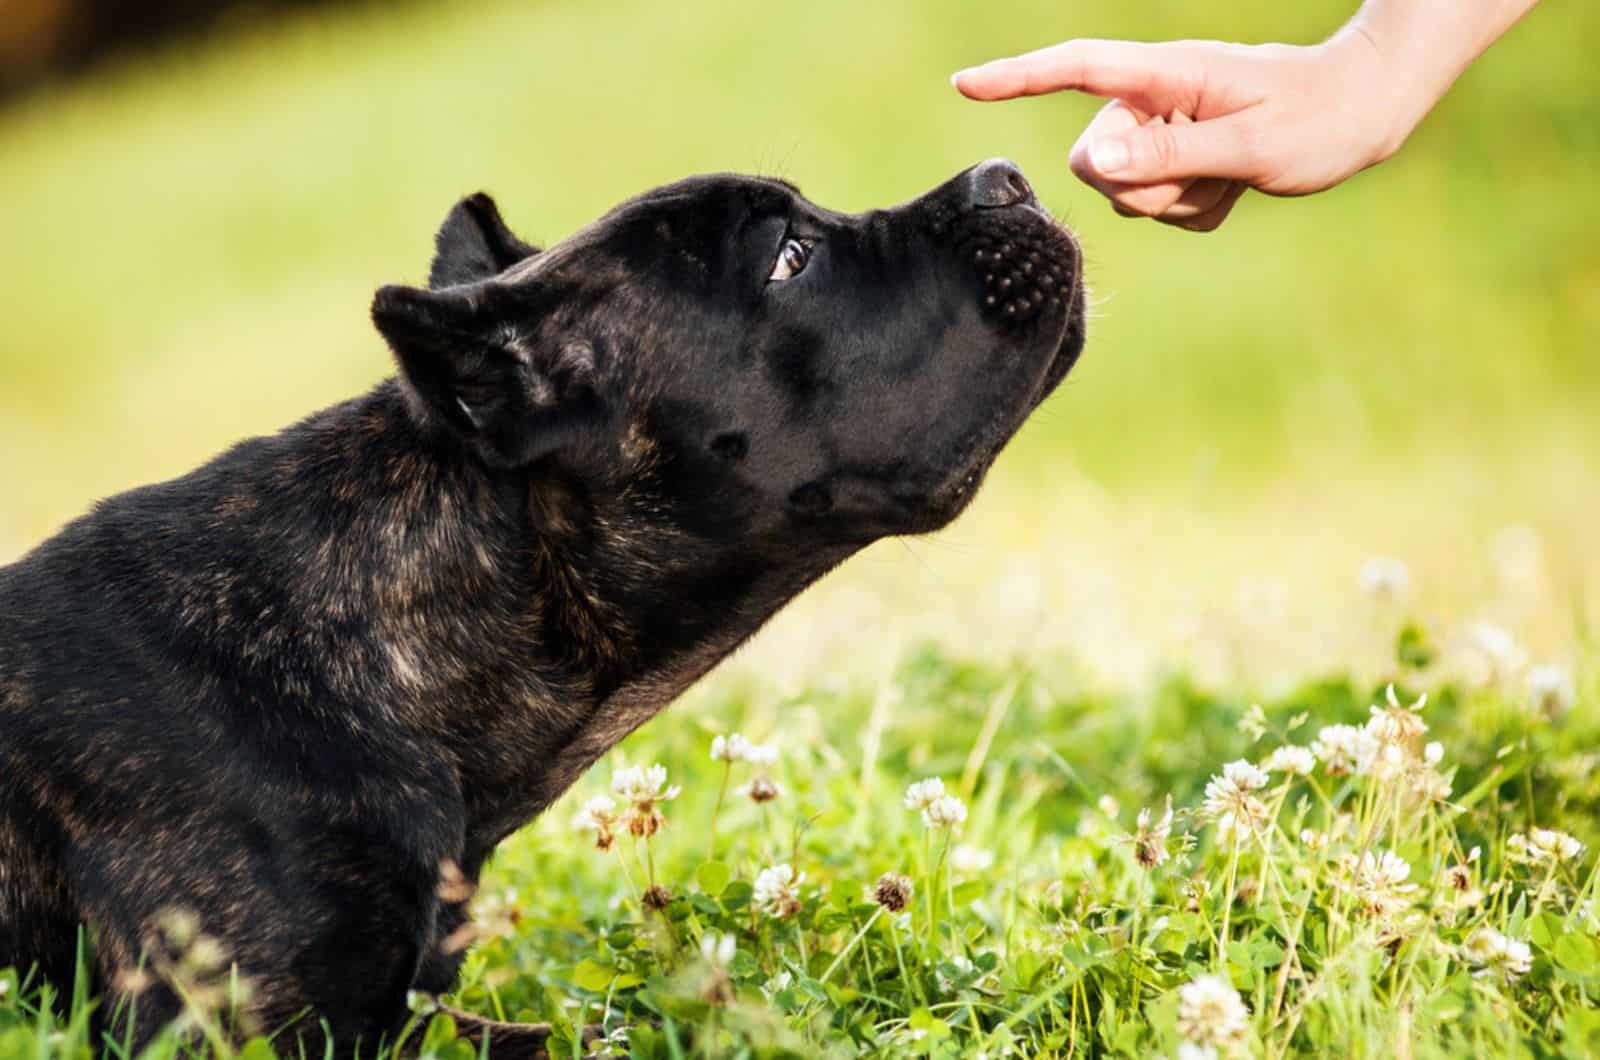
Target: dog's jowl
294	699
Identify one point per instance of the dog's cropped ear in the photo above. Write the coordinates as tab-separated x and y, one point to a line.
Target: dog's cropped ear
469	358
474	244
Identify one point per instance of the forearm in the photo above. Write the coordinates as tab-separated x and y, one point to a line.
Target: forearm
1426	44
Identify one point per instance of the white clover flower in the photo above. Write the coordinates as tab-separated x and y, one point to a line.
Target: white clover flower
1494	952
1228	801
761	789
1551	692
1211	1013
1463	889
1344	749
496	914
777	891
1387	869
777	984
718	949
1379	882
597	812
764	755
643	789
924	793
1518	958
1290	759
1492	654
1191	1051
1495	642
945	812
1108	806
893	891
966	859
638	784
1313	841
1150	840
730	748
964	967
1385	578
1430	785
1245	777
1398	723
1543	846
1389	763
1426	780
599	815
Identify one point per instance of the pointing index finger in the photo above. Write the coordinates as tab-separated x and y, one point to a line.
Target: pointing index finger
1151	76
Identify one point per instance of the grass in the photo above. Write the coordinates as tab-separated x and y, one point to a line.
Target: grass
1358	909
1405	366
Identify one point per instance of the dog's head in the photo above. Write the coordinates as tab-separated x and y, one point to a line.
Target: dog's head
746	363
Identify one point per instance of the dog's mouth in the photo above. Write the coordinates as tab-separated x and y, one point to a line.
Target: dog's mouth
1028	279
1027	275
1027	264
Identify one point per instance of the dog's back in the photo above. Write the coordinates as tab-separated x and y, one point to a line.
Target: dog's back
168	742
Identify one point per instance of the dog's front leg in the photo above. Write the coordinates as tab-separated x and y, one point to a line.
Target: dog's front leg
514	1041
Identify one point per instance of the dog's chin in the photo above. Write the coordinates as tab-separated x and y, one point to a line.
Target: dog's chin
939	506
945	504
1060	338
1067	347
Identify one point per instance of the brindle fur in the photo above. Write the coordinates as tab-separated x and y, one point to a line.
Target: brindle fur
289	689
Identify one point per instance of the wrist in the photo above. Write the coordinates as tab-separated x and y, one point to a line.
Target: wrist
1386	95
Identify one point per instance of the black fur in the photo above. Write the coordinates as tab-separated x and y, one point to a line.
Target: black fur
303	691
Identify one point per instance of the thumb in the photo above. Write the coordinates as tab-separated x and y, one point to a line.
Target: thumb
1156	151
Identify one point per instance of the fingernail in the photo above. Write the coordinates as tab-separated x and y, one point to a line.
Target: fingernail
959	74
1109	156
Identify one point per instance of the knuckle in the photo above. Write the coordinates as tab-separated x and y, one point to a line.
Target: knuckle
1163	147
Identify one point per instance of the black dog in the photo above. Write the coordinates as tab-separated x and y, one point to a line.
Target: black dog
303	692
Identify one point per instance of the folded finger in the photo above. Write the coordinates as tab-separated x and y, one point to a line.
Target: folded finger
1130	200
1197	199
1212	218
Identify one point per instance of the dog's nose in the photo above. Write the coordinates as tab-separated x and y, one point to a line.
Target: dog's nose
997	182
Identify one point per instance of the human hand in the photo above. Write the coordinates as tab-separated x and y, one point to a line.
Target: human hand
1194	124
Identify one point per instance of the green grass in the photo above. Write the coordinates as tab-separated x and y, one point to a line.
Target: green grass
1404	366
1034	929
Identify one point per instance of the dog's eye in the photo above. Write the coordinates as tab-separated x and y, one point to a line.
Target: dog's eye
792	258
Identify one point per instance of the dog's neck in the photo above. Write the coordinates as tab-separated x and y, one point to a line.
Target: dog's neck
522	624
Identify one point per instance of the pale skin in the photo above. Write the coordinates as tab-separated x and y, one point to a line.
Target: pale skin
1192	125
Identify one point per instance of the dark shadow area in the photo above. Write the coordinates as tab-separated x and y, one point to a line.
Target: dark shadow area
46	40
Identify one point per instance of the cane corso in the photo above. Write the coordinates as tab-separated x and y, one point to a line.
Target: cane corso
301	693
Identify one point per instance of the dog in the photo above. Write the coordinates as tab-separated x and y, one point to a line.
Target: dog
295	698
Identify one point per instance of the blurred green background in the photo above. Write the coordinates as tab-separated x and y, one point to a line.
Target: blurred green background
1405	365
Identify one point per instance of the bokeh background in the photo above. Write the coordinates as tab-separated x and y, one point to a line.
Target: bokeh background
1406	366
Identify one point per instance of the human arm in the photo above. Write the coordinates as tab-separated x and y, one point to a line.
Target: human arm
1193	124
